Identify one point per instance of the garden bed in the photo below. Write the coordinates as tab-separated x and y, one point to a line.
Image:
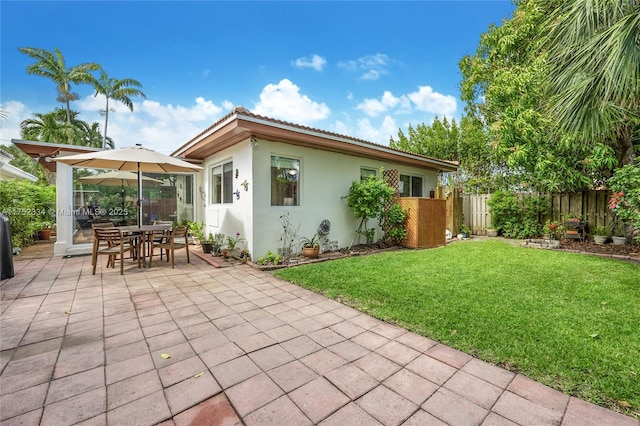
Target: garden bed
624	251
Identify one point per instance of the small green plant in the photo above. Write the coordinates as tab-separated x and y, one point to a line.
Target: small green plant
270	257
601	230
196	229
233	242
217	239
310	242
464	229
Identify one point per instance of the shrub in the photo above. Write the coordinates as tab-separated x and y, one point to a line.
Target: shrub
517	218
625	201
29	207
393	221
367	200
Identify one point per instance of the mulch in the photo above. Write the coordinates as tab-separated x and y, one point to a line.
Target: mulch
604	249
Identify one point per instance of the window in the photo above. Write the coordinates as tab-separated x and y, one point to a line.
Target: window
285	181
365	173
222	184
410	186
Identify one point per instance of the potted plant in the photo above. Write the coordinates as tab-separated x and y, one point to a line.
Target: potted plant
552	228
217	241
310	246
207	244
196	230
232	245
464	231
45	230
601	234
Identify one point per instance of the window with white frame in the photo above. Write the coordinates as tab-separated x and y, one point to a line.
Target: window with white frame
365	173
222	183
410	186
285	181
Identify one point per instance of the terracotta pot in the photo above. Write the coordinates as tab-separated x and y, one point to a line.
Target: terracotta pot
44	234
311	252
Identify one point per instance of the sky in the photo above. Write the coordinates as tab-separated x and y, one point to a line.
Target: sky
359	68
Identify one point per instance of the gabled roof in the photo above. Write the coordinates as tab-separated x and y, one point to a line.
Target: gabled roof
241	124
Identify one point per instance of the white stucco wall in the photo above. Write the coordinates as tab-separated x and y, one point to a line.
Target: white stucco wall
325	177
235	217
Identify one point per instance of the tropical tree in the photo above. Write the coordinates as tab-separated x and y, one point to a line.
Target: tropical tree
52	65
47	128
507	84
465	143
119	90
52	127
593	66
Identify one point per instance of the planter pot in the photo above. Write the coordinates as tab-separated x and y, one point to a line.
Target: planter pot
206	247
599	239
619	241
492	233
311	252
44	234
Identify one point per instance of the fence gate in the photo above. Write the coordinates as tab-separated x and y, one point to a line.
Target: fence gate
476	213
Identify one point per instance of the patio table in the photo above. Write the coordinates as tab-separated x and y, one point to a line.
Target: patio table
145	232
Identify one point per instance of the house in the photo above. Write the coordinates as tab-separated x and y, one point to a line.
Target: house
8	171
259	171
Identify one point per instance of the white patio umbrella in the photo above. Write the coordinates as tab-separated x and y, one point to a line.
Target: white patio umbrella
119	178
134	158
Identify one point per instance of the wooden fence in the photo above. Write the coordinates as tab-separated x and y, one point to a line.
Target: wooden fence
591	206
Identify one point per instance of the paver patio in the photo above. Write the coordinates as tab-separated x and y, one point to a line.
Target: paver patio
197	345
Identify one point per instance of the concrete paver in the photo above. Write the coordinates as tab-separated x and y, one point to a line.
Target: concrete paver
197	345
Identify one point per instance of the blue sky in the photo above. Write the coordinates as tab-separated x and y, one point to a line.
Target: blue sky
364	69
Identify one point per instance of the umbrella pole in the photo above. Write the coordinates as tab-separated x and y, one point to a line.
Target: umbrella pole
139	197
122	194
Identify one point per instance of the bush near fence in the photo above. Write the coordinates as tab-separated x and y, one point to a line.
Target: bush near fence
590	206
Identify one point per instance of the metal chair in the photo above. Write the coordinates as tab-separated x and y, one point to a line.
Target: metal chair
114	244
176	239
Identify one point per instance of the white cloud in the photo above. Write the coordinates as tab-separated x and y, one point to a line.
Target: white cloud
372	66
284	101
16	112
425	99
314	61
367	131
364	129
375	107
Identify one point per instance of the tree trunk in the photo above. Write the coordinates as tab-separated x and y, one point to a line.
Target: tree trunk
106	121
625	149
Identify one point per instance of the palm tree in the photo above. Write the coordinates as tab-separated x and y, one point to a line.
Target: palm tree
594	64
52	65
47	128
119	90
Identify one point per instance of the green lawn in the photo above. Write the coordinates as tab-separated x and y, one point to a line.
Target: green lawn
567	320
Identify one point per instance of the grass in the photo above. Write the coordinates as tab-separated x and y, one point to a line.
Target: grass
569	321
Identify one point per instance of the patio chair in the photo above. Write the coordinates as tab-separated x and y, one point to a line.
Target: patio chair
95	240
175	240
159	236
114	244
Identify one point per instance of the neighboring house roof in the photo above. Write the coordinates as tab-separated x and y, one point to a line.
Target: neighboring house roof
241	124
8	171
44	152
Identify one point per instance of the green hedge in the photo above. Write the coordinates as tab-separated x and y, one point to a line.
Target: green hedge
29	206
